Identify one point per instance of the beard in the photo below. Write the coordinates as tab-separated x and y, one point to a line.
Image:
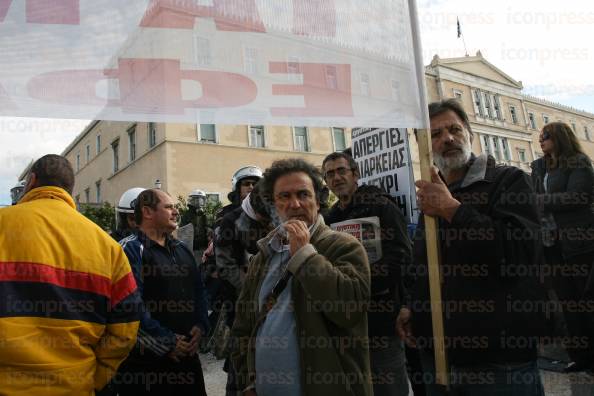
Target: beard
453	162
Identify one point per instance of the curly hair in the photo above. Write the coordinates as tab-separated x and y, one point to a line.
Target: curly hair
284	167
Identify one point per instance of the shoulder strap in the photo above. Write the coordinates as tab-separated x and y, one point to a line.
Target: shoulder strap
276	291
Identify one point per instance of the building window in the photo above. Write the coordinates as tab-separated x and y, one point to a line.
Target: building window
207	133
87	195
77	162
132	143
202	55
364	80
457	94
487	144
587	133
115	147
396	90
331	78
545	118
98	143
98	190
213	197
573	127
487	102
522	155
152	134
512	112
256	137
478	103
497	107
250	60
88	153
301	139
339	139
506	152
496	148
532	120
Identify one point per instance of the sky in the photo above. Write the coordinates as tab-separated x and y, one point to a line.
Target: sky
545	44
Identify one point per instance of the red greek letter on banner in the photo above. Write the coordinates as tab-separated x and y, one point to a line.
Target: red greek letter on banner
229	15
147	86
326	90
150	84
58	12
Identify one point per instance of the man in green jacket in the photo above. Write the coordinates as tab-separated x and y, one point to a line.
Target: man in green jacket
301	324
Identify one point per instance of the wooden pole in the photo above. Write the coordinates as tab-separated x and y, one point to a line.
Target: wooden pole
426	160
433	260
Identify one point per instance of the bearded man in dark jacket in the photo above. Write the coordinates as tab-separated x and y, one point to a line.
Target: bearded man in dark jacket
489	243
369	204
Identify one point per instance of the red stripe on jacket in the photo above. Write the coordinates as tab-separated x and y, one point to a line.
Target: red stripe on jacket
43	273
122	289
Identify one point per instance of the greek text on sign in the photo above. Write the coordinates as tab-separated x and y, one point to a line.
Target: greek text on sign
383	160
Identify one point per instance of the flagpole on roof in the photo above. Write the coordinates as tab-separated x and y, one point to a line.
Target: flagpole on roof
461	35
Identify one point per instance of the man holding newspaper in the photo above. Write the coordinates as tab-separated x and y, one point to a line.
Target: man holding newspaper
372	216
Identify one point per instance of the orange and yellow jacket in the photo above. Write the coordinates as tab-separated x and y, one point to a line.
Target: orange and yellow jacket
68	302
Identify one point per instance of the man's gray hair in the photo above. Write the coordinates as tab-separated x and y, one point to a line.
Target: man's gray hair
437	108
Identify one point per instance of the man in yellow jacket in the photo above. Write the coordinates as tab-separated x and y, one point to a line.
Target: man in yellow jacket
68	302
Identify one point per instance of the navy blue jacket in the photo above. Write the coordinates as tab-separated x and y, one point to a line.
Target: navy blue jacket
171	288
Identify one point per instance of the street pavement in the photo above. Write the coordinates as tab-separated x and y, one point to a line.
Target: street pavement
555	383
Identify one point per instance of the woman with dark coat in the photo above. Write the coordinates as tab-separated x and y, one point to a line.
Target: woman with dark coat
564	182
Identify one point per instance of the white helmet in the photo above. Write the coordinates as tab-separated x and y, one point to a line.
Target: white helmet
197	193
128	200
250	171
197	198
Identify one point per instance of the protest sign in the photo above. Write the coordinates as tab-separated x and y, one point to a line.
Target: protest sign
383	158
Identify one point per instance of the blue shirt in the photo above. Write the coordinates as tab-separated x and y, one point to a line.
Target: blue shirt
278	370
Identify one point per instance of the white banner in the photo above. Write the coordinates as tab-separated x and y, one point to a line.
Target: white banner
383	158
278	62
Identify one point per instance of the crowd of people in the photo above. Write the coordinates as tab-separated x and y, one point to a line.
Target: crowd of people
299	296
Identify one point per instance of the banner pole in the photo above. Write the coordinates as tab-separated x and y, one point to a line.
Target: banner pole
433	258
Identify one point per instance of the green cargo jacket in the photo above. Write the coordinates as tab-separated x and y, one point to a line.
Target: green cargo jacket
330	292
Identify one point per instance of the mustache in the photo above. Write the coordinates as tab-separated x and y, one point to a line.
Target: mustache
450	146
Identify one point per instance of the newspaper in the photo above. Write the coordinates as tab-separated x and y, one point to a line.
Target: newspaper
368	231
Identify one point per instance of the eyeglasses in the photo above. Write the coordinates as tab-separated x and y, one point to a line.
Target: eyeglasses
544	136
338	171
